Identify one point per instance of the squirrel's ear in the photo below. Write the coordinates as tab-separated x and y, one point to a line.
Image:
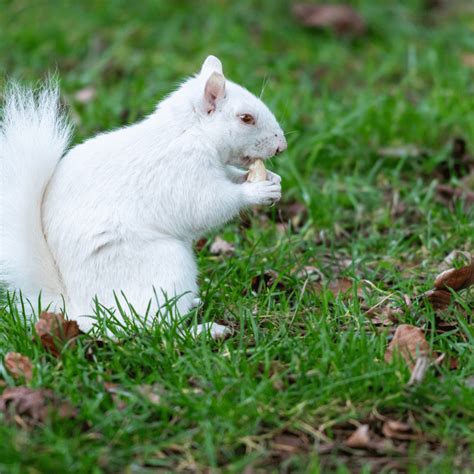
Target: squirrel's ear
210	65
214	91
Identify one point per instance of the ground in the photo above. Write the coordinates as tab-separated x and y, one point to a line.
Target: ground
371	120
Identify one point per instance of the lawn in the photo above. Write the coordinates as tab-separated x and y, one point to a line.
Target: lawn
371	120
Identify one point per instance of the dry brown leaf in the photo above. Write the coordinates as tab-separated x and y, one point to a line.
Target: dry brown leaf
29	407
399	430
456	279
468	59
360	438
55	332
448	194
341	286
290	443
19	365
384	315
439	299
267	279
459	164
295	212
453	279
409	341
200	244
221	247
339	18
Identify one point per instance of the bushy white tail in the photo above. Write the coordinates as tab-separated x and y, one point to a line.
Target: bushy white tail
33	137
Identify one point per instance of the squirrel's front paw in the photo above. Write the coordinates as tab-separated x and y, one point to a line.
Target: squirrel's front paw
262	192
271	176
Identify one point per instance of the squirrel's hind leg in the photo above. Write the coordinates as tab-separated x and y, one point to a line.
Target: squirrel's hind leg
156	278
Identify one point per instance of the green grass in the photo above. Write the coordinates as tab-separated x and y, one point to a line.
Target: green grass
299	361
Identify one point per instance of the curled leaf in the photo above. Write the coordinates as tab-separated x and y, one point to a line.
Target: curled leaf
55	332
456	279
439	299
399	430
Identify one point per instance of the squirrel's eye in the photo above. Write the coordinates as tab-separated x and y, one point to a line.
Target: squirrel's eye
247	118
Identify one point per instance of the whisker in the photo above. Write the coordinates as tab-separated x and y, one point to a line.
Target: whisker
264	85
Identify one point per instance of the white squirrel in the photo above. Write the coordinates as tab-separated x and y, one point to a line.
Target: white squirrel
118	213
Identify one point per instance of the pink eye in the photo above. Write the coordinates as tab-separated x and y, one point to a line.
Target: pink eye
247	119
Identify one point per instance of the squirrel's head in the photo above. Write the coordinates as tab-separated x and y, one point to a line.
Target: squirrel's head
240	124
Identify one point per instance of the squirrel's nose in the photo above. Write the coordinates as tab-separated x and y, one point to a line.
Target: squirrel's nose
282	145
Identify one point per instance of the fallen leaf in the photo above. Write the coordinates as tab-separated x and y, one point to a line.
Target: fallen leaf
409	341
468	59
439	299
399	430
29	407
453	363
267	279
458	163
456	278
383	315
448	194
296	213
19	365
341	286
200	244
289	442
85	95
221	247
55	332
339	18
360	438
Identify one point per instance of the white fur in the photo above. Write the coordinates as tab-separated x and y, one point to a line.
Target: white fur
122	209
33	137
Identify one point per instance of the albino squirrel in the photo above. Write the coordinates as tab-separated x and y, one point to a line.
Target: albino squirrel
117	214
